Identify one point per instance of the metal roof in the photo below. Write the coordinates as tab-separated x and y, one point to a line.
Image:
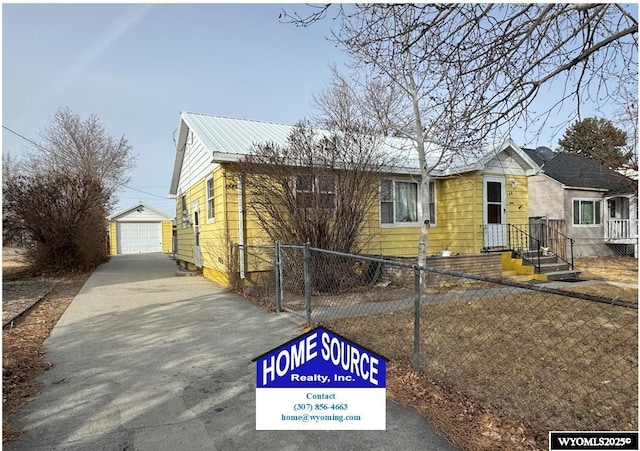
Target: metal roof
229	139
234	136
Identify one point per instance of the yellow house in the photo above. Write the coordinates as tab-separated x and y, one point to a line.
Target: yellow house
471	201
140	229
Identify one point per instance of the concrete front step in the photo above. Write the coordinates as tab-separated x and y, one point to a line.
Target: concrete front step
565	274
543	260
551	267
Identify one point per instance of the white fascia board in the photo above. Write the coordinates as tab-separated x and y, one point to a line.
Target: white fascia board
180	151
222	157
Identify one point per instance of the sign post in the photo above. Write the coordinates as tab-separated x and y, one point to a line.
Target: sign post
320	381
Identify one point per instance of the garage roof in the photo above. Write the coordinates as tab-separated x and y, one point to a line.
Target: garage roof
145	213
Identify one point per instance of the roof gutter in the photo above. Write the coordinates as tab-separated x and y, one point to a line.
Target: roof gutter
223	157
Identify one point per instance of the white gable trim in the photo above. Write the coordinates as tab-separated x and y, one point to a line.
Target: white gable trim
139	212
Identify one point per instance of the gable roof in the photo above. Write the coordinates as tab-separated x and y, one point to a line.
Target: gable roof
577	171
230	139
140	205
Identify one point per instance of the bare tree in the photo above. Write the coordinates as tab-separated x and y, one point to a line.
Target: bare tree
68	182
322	184
12	229
80	146
627	118
318	188
469	72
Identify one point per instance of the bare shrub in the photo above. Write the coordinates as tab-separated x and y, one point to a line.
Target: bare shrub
65	217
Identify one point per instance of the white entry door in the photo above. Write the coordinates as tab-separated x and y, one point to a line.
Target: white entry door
494	212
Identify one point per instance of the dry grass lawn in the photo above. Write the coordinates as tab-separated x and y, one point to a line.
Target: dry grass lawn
615	269
499	372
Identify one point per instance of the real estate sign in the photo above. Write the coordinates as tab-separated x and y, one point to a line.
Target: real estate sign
320	381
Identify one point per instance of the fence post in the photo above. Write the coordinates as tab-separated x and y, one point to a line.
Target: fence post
307	281
416	319
278	274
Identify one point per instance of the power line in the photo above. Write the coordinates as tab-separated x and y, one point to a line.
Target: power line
40	147
149	194
25	138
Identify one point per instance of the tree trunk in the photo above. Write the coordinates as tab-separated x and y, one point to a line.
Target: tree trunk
424	170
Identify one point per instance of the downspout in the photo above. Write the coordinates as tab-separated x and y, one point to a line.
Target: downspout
478	230
241	238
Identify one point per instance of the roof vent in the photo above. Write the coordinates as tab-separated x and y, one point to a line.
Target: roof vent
544	153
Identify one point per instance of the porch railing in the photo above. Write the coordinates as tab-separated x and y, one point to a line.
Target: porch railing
619	229
531	242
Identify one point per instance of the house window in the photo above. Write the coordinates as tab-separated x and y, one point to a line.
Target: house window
399	202
432	203
586	212
185	212
315	191
210	207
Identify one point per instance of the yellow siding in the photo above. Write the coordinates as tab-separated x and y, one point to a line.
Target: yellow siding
459	215
459	220
167	237
457	227
214	236
113	240
517	199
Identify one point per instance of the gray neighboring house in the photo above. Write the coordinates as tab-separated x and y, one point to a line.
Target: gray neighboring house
597	206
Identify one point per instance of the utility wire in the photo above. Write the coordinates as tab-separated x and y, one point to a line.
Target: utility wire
40	147
144	192
25	138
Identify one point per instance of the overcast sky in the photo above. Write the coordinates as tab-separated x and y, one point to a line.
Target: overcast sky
137	66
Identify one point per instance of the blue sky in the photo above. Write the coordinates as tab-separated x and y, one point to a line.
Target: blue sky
137	66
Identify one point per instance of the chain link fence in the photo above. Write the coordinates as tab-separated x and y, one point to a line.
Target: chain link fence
555	359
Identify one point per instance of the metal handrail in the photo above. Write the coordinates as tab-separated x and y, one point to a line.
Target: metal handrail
552	240
559	247
521	242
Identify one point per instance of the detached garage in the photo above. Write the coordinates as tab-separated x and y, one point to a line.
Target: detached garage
139	229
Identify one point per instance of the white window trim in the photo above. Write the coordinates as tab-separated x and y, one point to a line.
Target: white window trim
586	199
210	218
433	223
417	223
186	221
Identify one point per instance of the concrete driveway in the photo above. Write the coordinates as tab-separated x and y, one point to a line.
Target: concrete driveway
146	360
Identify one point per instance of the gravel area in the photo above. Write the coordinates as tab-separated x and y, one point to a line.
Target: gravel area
21	295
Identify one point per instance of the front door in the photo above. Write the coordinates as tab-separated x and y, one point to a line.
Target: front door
494	212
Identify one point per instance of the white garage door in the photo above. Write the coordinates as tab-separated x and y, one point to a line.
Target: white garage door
139	237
